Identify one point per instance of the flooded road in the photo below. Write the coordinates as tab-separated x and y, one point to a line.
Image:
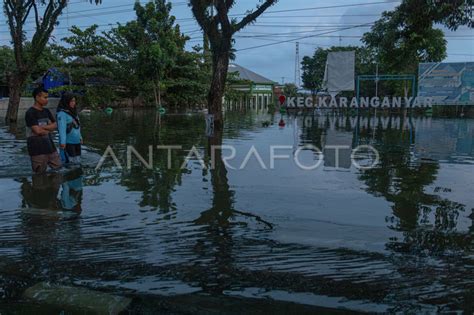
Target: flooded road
394	238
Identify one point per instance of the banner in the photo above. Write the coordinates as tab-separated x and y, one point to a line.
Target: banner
340	72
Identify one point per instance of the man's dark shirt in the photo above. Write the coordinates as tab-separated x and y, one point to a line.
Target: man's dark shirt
38	145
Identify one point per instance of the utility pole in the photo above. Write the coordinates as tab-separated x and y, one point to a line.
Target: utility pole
377	80
377	74
297	65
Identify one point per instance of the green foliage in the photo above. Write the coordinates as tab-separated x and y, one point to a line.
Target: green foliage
7	63
401	46
47	60
45	15
188	80
155	38
90	71
233	80
420	14
398	42
124	63
83	43
290	90
137	59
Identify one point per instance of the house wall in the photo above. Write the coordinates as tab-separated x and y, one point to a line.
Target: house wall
261	95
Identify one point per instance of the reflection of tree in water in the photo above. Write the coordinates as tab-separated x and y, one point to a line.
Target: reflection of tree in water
427	221
311	131
141	129
218	222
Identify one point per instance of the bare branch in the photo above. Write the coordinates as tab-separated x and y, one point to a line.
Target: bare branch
37	20
42	34
253	16
28	6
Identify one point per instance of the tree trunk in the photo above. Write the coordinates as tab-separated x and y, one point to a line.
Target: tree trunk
156	95
216	93
159	94
14	87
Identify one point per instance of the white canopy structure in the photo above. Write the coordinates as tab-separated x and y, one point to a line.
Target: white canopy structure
340	72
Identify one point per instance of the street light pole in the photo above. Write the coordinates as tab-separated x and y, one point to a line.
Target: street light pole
377	79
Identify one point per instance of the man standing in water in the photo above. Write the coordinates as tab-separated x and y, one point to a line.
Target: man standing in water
39	125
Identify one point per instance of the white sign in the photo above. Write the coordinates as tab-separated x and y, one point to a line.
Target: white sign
340	72
363	102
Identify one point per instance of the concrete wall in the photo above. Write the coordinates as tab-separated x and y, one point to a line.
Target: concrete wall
25	103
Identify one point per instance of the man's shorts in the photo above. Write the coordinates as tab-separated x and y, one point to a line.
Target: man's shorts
40	163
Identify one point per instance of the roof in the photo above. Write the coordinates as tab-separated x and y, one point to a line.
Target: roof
246	74
53	73
85	61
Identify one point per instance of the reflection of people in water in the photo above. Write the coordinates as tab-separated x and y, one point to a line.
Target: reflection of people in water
43	191
50	234
71	194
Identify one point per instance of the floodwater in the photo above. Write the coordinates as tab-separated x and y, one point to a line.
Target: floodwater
243	234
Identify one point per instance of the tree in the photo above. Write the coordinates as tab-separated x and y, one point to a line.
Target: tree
290	90
49	58
188	80
17	12
124	61
83	43
313	70
452	13
219	29
6	63
406	36
428	222
157	42
400	47
88	68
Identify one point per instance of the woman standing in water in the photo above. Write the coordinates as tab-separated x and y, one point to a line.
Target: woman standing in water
69	128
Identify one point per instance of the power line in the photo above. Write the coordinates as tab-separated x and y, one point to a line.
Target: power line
327	7
263	35
99	11
102	11
318	15
117	6
303	37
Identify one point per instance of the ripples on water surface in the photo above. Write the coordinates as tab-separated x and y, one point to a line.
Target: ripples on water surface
394	238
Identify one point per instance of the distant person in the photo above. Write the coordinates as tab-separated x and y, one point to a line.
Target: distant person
69	127
40	123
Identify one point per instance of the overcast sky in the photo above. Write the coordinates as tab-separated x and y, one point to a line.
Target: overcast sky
322	27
